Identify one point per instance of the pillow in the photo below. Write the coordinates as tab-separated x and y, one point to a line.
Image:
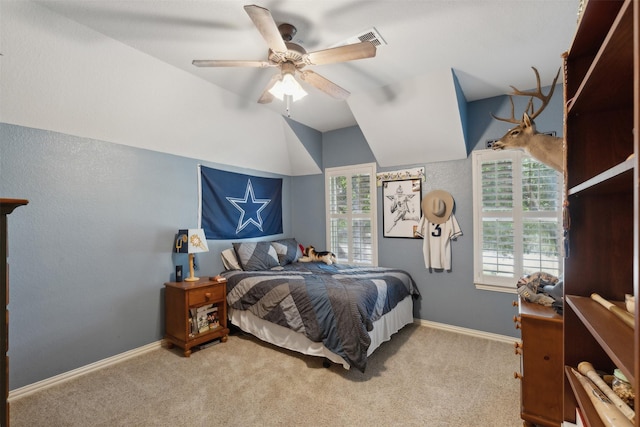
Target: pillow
288	250
255	256
229	260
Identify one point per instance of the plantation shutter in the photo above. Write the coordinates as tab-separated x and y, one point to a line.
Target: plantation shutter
517	217
351	214
542	228
498	243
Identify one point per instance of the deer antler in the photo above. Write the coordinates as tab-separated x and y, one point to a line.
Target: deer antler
531	94
512	119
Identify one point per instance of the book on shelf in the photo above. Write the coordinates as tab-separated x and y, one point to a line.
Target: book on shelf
206	318
192	321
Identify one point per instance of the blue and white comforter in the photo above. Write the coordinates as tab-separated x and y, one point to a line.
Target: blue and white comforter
332	304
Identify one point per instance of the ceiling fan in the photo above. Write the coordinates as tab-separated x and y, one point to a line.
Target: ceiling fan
291	58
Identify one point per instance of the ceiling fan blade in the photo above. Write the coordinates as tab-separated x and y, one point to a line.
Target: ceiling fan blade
348	52
231	63
327	86
264	22
266	96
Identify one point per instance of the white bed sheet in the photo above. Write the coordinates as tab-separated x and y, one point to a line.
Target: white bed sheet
280	336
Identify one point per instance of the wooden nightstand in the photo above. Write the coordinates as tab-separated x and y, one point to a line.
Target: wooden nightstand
195	313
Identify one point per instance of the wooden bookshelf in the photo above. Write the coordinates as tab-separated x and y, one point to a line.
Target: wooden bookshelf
601	133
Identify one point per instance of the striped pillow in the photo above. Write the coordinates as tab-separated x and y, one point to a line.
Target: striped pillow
254	256
288	250
229	260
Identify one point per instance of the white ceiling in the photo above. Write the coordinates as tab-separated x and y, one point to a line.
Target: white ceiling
487	44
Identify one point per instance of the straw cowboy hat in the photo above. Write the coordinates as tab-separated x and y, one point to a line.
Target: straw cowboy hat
437	206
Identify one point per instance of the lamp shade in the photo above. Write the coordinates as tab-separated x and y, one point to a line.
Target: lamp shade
288	85
191	241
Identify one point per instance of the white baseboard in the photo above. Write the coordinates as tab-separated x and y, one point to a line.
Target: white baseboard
466	331
40	385
32	388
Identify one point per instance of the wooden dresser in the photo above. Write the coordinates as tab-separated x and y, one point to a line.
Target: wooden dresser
541	368
6	207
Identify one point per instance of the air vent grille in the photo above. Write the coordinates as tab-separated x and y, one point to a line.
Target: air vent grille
371	35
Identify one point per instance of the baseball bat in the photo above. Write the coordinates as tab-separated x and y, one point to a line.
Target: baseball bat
607	411
587	369
622	314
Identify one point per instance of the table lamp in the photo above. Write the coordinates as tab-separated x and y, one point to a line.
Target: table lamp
191	241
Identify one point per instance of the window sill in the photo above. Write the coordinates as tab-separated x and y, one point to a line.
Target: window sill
495	288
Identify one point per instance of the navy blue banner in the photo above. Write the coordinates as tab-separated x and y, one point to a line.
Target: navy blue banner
238	206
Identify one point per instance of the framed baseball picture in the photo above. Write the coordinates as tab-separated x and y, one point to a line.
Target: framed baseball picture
401	209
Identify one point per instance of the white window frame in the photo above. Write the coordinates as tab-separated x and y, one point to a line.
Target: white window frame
348	171
491	282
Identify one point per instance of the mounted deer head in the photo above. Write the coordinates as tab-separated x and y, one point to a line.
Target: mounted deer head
545	148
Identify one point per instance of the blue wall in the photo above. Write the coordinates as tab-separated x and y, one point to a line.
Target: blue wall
90	253
447	297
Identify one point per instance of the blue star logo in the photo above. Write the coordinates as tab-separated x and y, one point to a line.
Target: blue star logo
250	208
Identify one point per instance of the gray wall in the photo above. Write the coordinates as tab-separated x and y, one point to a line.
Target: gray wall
90	253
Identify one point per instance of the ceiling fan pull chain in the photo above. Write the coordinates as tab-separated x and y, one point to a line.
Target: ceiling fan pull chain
288	98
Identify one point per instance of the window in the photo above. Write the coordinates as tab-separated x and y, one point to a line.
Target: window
517	203
351	213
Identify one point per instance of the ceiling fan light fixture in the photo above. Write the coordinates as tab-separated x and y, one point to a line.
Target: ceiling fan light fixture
288	85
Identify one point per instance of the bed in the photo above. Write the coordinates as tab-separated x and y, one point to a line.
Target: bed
339	312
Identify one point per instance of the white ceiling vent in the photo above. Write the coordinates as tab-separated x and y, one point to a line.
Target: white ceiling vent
371	35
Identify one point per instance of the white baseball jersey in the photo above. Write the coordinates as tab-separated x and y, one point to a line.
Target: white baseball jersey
437	241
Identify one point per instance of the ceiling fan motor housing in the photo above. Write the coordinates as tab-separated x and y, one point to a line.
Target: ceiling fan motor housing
295	54
288	68
287	31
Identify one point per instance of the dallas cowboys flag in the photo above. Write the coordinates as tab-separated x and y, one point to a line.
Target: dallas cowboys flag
238	206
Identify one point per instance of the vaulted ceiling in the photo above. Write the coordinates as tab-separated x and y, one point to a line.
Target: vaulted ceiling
435	56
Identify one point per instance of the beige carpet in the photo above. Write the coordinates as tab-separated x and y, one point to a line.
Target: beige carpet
422	377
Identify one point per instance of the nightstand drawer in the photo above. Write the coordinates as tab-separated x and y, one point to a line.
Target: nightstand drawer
206	295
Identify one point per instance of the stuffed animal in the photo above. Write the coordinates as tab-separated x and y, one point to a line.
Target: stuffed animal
532	288
311	255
